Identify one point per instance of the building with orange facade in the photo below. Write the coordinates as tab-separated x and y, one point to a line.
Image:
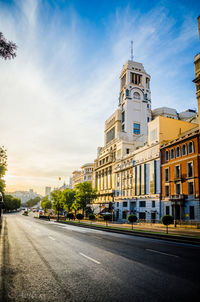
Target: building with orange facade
180	169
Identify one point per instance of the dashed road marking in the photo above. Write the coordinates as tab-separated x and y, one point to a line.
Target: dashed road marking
51	238
158	252
89	258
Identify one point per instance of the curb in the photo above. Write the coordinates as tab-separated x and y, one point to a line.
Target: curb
174	238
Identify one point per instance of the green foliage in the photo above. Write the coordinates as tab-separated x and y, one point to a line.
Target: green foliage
79	216
167	220
32	202
132	218
92	217
46	203
107	217
11	203
58	204
68	199
3	168
70	216
84	194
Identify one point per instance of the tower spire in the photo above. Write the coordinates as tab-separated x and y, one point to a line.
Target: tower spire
131	50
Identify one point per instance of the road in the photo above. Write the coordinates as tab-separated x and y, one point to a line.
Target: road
49	261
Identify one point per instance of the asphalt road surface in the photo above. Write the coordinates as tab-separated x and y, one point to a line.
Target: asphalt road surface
49	261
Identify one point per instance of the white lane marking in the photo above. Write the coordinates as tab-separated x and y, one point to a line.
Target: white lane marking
158	252
51	238
89	258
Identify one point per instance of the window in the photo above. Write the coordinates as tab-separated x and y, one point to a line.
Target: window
167	174
136	96
153	204
124	215
191	147
147	83
167	210
142	204
147	105
123	116
148	119
178	153
127	151
184	149
125	204
191	212
136	78
142	215
166	155
190	169
123	128
136	128
167	191
178	189
117	204
177	172
110	135
190	188
172	154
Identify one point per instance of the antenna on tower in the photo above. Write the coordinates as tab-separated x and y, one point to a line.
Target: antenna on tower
131	50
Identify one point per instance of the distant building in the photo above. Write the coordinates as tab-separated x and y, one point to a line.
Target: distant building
48	191
84	175
24	195
188	115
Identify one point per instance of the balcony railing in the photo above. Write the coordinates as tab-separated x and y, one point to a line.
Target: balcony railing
177	197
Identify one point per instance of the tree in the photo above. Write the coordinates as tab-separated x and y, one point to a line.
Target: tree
58	204
68	198
132	218
3	167
79	216
32	202
75	206
107	217
84	194
7	48
70	216
46	203
92	217
11	203
167	220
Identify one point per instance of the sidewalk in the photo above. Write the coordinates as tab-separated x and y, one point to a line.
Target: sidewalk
152	227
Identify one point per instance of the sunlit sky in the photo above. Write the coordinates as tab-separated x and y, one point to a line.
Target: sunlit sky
64	83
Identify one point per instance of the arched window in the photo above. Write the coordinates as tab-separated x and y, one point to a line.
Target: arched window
136	95
190	147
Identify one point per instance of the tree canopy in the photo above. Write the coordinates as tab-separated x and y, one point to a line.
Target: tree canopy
84	194
32	202
3	167
68	198
7	48
11	203
46	203
57	198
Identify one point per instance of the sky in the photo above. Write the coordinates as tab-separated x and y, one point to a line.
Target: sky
64	83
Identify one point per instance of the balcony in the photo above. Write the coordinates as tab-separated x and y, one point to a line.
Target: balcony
177	197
